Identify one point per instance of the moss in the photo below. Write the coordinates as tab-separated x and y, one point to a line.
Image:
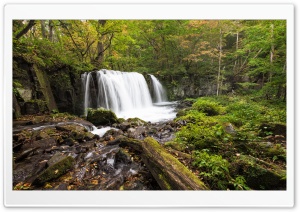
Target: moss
121	120
136	122
259	174
101	116
172	161
175	145
55	171
208	107
45	88
166	184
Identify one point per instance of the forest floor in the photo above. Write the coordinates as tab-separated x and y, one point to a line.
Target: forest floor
229	143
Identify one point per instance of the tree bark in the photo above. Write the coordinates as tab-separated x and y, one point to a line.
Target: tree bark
43	29
220	59
169	173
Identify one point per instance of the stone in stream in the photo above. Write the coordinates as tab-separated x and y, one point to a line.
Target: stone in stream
56	158
101	116
54	171
26	153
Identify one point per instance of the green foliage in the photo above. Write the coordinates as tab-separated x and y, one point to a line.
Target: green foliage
200	136
208	107
213	169
239	183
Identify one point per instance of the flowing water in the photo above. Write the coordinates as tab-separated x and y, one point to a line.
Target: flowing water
127	94
158	90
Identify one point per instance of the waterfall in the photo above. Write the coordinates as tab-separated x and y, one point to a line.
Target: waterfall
158	90
115	90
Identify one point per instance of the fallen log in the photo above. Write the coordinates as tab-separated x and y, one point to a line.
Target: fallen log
169	173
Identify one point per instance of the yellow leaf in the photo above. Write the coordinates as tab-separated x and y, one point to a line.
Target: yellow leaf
56	171
48	185
94	182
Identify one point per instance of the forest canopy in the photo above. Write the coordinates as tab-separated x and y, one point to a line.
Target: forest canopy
235	55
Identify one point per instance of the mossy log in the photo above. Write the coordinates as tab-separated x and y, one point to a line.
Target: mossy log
169	173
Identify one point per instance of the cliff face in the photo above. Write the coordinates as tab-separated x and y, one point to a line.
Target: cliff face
181	87
37	90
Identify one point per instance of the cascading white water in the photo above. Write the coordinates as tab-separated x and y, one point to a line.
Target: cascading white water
125	93
121	91
159	92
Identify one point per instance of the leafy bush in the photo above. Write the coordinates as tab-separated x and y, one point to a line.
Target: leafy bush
213	169
200	136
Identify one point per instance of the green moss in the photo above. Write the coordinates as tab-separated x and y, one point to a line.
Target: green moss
101	116
175	145
208	107
55	170
136	122
45	88
260	175
169	159
166	184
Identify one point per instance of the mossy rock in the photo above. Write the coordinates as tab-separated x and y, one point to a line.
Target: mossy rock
101	116
55	171
136	122
208	107
259	174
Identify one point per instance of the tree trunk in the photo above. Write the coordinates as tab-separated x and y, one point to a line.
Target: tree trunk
100	45
271	52
220	59
51	30
169	173
43	29
26	29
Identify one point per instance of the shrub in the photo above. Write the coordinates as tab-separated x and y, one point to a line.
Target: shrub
213	169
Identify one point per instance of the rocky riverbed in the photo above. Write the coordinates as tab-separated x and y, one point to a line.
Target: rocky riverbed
66	153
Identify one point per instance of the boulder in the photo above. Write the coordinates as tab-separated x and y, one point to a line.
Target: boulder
54	171
101	116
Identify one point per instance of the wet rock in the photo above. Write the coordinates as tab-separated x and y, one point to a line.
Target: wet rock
123	157
52	150
101	116
71	127
89	136
55	171
56	158
124	126
115	183
138	132
113	133
133	185
62	186
26	153
42	135
68	141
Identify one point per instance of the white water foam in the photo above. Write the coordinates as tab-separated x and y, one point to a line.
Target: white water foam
127	94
